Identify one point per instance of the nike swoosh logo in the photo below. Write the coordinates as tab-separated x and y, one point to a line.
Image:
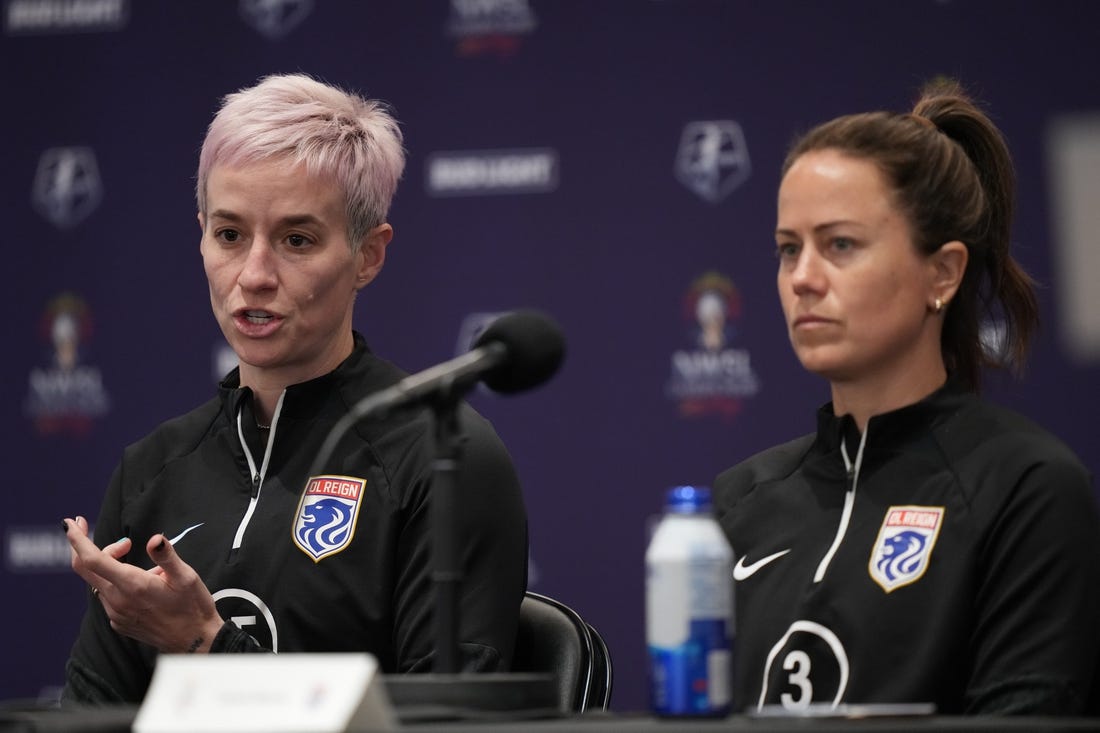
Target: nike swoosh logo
182	534
742	571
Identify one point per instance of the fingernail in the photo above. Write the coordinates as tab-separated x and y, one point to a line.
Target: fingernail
160	545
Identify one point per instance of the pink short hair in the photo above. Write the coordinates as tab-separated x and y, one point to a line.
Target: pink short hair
333	133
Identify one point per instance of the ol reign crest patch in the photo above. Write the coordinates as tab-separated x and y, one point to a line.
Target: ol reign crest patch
904	545
327	514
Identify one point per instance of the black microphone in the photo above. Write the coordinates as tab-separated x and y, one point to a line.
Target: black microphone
533	349
518	351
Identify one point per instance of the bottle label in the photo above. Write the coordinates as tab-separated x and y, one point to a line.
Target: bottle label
693	678
678	592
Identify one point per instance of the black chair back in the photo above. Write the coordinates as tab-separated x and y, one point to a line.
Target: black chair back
553	638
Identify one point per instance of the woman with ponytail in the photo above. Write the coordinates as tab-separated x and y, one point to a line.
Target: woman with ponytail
923	546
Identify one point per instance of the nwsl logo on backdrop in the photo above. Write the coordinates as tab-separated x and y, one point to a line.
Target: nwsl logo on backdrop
473	325
327	514
904	545
66	395
67	187
275	18
712	159
711	376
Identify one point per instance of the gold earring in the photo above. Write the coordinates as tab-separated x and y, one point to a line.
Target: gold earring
938	307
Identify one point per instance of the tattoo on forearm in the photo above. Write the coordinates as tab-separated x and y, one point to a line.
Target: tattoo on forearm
194	645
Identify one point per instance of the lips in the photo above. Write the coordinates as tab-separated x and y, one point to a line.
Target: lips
810	320
256	322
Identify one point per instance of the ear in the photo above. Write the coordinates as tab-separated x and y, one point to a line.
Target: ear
372	254
947	267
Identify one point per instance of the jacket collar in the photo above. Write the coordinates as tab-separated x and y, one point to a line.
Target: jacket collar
305	399
890	430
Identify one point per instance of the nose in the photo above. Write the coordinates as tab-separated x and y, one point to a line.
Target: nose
258	271
807	274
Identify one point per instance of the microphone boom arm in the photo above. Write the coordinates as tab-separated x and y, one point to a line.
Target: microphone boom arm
443	382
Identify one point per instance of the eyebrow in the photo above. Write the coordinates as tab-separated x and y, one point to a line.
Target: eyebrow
820	227
291	220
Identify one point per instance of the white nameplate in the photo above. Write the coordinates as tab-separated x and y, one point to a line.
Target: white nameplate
304	693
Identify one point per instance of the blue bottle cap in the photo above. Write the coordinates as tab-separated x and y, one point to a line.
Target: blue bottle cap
688	499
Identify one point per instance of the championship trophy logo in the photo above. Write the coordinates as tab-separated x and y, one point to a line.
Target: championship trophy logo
66	395
712	376
484	27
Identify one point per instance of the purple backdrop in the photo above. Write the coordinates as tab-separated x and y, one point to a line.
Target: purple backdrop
613	163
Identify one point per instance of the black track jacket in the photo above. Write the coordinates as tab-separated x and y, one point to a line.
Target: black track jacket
964	572
349	568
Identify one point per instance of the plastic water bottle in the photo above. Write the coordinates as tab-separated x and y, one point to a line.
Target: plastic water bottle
689	609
